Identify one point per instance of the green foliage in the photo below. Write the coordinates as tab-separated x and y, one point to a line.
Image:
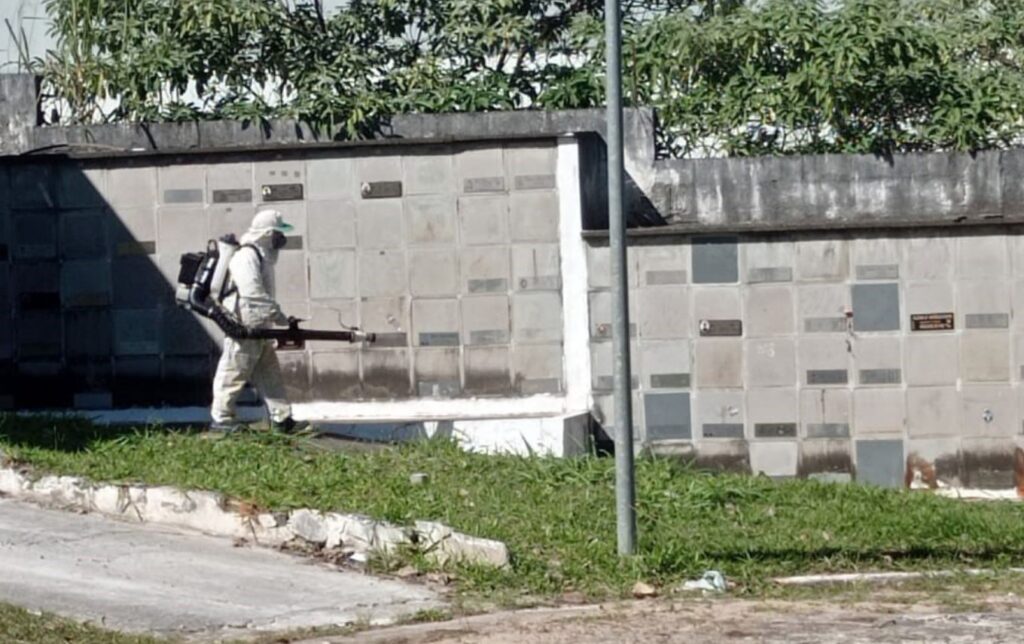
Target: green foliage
864	76
19	626
727	77
558	515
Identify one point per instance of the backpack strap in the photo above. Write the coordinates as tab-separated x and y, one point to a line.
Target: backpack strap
259	255
234	289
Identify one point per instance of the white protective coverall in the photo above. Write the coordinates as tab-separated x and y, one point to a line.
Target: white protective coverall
251	272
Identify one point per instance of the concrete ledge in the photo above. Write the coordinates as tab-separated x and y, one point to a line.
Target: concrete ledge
214	514
536	425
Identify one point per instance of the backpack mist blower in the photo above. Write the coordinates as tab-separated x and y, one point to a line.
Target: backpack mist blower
202	288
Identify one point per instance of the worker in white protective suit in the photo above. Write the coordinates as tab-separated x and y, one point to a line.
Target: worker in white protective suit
251	300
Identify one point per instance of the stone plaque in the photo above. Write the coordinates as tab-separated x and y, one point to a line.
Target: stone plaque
722	430
381	189
931	322
721	328
775	430
827	377
133	248
534	182
241	195
881	376
183	196
670	380
281	192
987	320
828	430
488	336
493	285
655	278
484	184
439	339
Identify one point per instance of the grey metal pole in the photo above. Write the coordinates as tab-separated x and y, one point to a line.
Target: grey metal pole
625	494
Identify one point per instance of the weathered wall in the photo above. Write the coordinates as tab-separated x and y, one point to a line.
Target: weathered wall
773	316
820	369
450	252
839	191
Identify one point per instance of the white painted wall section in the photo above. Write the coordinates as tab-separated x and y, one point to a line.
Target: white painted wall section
575	307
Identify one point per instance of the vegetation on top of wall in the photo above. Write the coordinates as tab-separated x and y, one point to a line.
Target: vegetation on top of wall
727	77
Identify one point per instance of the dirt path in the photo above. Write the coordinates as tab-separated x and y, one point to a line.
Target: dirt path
999	619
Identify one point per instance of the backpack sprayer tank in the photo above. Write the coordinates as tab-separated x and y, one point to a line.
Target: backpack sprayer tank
201	288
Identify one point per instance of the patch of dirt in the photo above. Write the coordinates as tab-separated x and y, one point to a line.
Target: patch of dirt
724	620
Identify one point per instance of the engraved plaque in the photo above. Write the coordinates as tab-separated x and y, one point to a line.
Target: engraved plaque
878	272
723	430
720	328
827	377
484	184
281	192
828	430
242	195
439	339
183	196
390	339
987	321
670	381
665	277
488	336
931	322
131	248
493	285
534	181
880	376
775	430
381	189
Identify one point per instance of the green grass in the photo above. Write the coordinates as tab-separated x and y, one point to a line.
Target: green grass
557	515
19	626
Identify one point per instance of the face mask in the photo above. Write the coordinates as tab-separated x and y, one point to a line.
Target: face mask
278	240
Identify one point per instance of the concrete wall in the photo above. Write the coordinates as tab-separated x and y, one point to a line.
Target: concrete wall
833	316
804	354
450	252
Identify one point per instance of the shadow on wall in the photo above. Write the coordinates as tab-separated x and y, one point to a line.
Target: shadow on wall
89	319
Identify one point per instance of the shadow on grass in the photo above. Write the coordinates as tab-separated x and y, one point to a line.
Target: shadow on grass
896	557
67	432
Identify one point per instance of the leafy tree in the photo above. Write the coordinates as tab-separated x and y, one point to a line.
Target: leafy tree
727	77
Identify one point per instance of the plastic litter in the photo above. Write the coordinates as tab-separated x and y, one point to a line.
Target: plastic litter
711	582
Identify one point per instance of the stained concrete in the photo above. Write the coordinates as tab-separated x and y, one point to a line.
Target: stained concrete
139	578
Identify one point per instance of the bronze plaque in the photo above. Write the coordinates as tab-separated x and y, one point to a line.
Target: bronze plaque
721	328
931	322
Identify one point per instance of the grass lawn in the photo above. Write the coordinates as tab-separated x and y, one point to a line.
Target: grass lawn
556	515
19	626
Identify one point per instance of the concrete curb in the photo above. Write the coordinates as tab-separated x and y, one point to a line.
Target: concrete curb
217	515
883	577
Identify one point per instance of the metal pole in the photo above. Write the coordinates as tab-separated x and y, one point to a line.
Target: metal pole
625	494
